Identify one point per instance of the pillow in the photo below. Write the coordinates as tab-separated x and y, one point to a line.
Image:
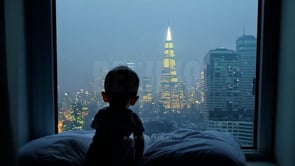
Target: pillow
187	147
65	149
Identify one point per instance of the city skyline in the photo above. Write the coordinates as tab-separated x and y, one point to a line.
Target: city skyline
196	62
221	100
104	33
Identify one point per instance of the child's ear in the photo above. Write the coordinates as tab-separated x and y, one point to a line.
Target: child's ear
104	96
133	100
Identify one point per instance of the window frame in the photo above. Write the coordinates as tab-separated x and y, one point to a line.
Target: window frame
266	72
267	51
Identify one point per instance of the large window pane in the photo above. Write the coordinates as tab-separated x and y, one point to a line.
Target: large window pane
196	61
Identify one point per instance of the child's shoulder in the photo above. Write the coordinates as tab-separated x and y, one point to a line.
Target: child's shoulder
134	114
102	110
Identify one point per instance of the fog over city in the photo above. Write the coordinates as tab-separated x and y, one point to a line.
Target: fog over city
95	35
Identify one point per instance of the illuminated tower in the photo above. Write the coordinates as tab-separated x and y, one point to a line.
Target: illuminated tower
169	91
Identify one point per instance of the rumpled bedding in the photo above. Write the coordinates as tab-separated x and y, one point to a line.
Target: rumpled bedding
183	147
189	147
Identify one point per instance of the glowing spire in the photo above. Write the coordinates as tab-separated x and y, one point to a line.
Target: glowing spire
169	37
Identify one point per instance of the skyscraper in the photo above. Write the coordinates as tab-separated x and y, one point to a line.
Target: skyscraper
223	95
222	84
246	48
169	91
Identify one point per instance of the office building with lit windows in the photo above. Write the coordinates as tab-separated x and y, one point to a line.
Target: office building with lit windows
222	84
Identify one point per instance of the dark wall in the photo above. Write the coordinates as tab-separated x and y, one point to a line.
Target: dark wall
285	115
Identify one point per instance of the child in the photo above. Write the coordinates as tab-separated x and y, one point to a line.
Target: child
113	143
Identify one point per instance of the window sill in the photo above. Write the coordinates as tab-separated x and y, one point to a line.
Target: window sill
255	158
260	163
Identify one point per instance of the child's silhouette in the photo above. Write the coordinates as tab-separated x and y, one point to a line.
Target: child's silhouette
118	139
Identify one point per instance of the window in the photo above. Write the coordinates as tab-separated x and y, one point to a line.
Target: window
196	62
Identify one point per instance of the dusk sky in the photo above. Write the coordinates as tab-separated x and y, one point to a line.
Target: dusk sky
95	34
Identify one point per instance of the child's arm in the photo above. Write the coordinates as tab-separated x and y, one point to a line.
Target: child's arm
139	145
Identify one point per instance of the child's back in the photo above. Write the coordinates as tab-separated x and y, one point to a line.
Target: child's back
115	124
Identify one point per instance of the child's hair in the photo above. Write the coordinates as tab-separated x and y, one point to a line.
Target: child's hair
121	84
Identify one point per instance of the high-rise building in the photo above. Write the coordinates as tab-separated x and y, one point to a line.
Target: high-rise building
246	48
224	97
222	84
169	91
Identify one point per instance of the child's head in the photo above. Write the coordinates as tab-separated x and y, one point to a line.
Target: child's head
121	86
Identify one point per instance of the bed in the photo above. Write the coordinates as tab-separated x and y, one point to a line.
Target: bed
181	147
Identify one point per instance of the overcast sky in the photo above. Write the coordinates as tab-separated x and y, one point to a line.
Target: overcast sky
95	33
